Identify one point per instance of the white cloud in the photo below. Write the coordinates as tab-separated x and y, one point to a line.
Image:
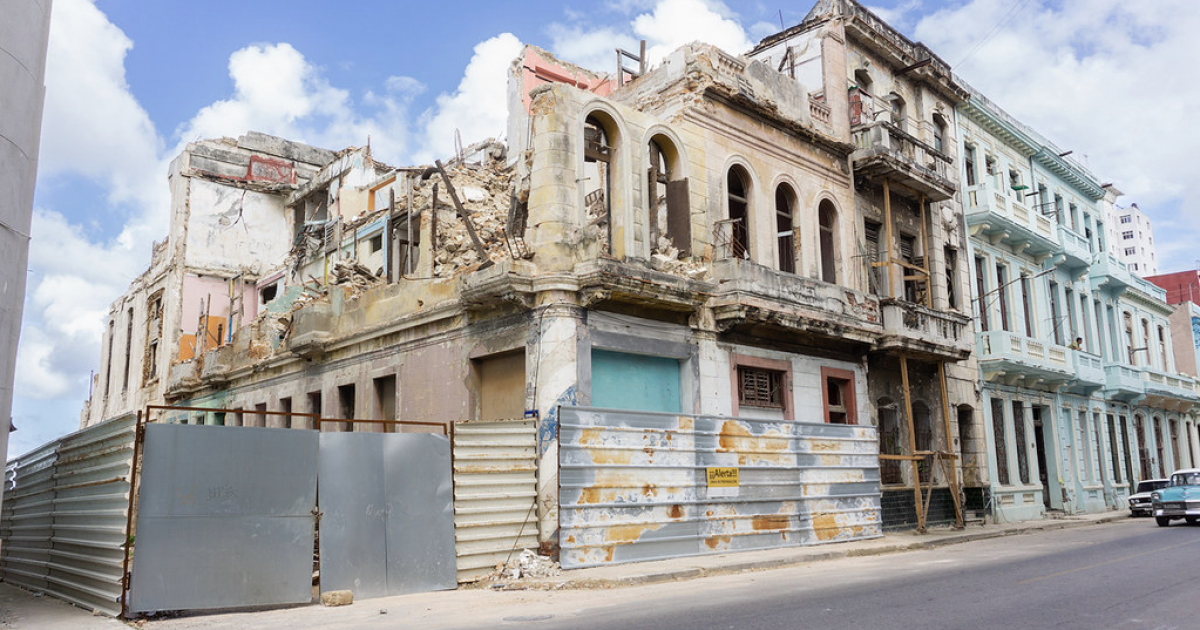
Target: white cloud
665	26
277	91
90	116
1101	78
478	109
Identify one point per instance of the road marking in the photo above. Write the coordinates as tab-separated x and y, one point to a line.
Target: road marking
1097	565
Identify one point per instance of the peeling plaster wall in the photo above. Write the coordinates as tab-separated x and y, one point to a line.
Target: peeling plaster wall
234	230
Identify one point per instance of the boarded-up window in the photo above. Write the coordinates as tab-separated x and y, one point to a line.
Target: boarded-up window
501	386
759	387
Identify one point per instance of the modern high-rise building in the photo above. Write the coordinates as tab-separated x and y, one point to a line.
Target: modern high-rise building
23	43
1131	239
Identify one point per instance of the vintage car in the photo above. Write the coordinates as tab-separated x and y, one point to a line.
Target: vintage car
1180	499
1139	501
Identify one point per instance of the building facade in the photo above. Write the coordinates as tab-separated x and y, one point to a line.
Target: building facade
1078	383
1131	239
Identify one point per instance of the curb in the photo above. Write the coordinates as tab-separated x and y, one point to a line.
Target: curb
694	572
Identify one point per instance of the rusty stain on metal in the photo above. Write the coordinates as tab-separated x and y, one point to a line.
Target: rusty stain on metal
630	532
824	445
770	521
715	542
675	511
768	448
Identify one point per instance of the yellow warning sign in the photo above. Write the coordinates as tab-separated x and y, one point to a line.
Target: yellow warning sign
722	477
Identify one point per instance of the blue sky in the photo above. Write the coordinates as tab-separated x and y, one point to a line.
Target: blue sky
129	83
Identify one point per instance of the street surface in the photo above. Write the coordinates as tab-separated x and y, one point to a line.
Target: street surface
1128	574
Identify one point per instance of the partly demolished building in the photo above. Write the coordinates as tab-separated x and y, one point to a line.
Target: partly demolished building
733	296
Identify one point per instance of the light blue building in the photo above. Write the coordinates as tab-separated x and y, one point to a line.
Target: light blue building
1078	385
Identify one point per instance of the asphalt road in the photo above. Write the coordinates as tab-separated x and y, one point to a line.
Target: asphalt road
1125	575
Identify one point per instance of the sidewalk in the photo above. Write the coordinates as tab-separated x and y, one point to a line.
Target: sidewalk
699	566
20	609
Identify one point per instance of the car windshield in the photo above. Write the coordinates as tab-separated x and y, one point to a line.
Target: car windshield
1151	486
1186	479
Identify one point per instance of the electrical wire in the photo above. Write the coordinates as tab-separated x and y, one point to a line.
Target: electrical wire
1012	12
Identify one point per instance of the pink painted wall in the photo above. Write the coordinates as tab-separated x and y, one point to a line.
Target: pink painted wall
538	70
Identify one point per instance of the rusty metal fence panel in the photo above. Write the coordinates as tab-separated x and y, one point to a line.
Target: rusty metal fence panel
635	486
495	490
62	531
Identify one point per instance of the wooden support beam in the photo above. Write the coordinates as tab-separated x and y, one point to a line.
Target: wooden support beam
952	477
466	218
912	443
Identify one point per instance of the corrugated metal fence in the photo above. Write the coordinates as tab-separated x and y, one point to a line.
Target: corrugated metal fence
642	486
495	488
62	529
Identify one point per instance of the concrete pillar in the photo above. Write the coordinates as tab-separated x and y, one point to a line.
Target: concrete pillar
552	366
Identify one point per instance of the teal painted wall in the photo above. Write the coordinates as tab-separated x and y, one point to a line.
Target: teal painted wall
634	381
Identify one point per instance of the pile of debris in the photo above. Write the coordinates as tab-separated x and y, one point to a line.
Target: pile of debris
353	277
485	190
528	565
666	259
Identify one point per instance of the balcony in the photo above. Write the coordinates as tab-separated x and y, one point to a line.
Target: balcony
1076	253
1169	391
789	307
994	216
1108	272
1089	372
921	331
1013	359
1122	382
883	150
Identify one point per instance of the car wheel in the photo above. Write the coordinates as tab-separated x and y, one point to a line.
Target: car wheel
1191	520
1162	521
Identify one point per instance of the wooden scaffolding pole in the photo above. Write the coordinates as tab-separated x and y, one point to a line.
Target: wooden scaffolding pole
912	444
887	226
948	463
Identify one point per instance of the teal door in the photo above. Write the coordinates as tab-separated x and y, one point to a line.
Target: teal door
634	381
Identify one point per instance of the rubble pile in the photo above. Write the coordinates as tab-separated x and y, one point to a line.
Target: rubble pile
353	277
485	190
666	259
527	565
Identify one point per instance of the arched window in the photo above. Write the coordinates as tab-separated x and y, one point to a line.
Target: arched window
598	158
739	212
827	217
939	132
897	108
784	228
891	441
667	192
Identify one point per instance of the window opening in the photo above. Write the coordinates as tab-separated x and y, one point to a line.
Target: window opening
999	438
760	387
827	218
784	232
739	214
597	173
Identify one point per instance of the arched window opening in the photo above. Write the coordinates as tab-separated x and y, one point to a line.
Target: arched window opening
737	236
785	234
670	213
1139	429
891	441
827	217
939	132
861	110
1159	451
923	434
896	105
597	176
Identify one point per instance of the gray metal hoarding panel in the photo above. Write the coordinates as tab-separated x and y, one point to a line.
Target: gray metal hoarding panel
634	485
353	514
225	518
387	526
420	535
63	526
